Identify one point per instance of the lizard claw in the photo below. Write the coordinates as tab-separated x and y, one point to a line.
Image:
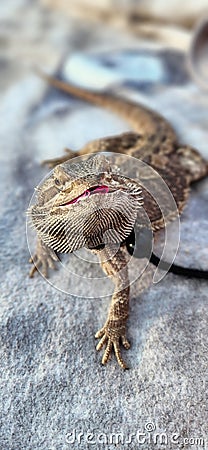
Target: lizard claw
110	337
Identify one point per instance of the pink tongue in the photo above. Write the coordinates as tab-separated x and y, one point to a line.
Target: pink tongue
76	200
103	189
88	192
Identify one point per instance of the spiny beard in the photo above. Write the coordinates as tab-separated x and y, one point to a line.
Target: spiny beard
87	224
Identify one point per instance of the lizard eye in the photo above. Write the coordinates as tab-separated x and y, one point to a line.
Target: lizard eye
57	182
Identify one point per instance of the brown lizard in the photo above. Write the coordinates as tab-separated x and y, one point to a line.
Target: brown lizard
82	201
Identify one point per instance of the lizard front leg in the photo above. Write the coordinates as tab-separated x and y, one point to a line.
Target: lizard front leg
51	163
43	259
113	332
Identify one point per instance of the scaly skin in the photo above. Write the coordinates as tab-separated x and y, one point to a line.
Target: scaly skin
87	221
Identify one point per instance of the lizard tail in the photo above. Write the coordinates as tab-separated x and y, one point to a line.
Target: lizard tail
142	119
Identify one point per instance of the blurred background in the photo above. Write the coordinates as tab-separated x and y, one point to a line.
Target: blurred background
42	31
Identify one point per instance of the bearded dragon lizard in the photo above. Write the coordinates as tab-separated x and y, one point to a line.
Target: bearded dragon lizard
76	204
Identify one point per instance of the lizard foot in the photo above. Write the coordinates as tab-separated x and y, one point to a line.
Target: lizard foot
110	337
43	259
51	163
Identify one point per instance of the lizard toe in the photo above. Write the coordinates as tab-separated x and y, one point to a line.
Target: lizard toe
119	358
125	342
107	352
100	333
102	342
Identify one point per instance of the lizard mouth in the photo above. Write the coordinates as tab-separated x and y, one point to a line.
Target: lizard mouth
93	190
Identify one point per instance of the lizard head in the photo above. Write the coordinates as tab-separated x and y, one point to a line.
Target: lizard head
85	204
